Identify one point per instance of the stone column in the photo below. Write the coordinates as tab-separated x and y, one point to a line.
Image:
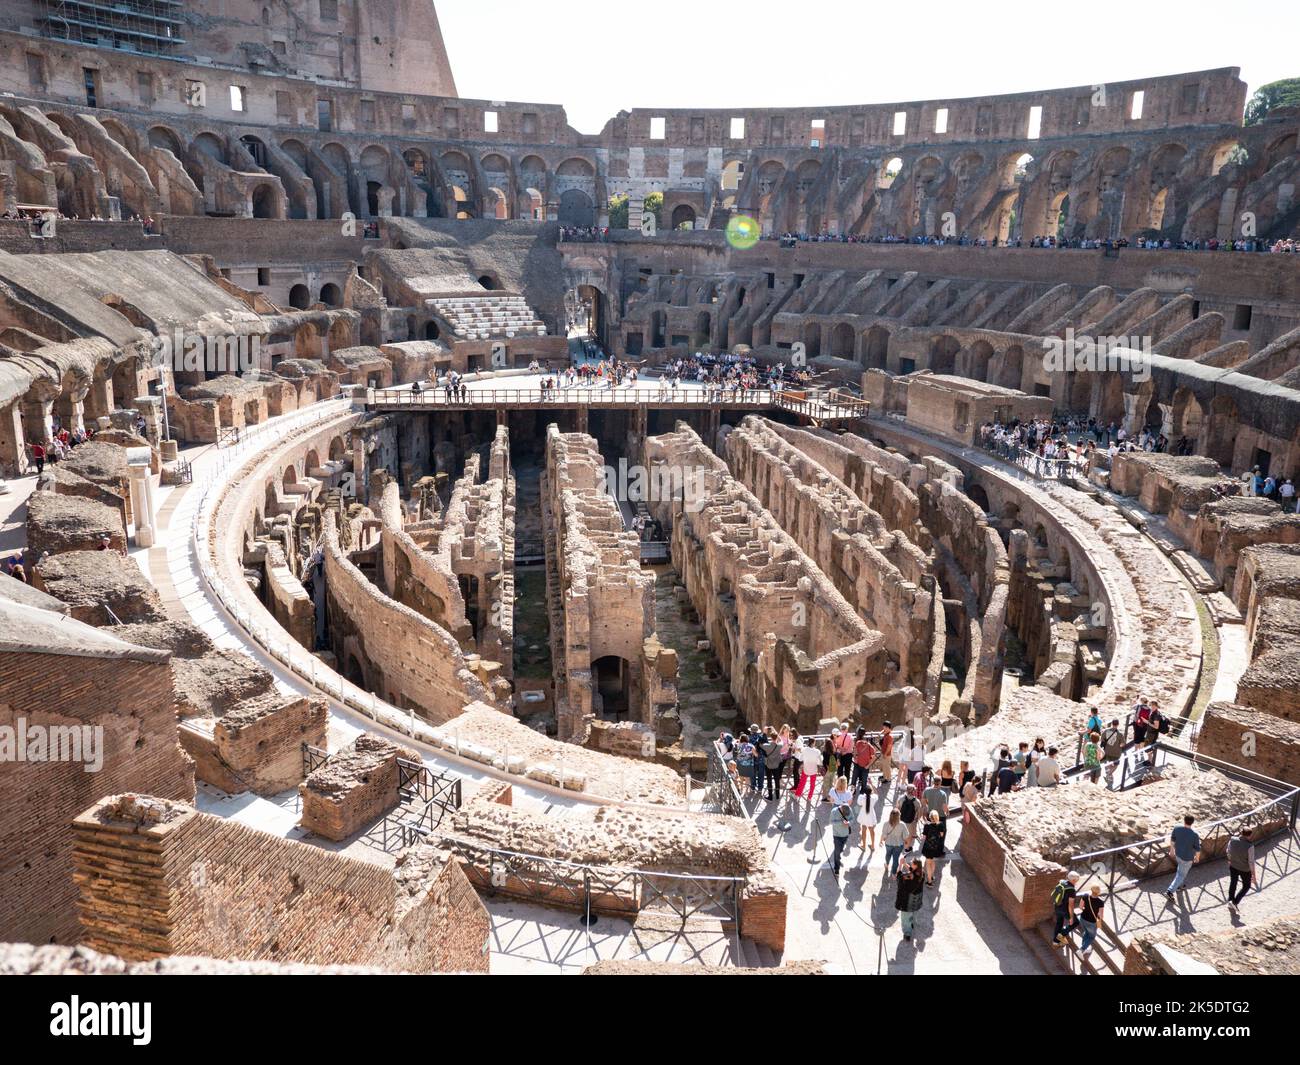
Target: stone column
13	449
142	500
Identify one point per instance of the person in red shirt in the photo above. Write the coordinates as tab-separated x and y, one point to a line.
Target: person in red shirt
864	754
886	753
1141	717
38	456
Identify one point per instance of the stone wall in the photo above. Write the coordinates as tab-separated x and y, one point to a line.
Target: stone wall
795	651
1261	742
130	698
257	746
158	878
353	787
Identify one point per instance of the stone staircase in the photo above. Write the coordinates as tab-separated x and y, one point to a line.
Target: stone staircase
496	314
754	955
1105	959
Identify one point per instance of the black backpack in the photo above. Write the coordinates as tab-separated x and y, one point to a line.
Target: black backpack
907	811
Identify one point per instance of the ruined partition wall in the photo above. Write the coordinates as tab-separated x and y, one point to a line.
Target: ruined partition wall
457	567
884	575
795	650
600	602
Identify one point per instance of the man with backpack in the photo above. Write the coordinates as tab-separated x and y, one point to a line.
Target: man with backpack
1112	747
1141	714
1157	724
1065	897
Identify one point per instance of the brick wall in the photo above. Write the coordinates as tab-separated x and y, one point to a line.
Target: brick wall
132	701
159	879
353	787
256	747
1260	742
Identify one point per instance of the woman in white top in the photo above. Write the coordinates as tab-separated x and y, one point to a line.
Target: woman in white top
841	794
867	819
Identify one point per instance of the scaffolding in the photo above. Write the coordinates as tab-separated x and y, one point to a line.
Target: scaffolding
148	27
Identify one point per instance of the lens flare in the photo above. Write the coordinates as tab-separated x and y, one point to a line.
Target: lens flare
743	232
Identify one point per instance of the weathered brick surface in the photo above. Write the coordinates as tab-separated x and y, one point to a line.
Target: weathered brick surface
158	879
132	701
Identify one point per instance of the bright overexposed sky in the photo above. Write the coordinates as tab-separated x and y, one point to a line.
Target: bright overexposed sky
598	57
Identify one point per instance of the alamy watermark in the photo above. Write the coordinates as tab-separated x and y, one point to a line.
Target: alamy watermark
631	483
26	742
1075	353
183	352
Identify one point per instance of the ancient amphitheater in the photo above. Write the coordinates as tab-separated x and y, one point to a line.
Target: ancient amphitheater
355	627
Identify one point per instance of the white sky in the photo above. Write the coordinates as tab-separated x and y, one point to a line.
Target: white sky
598	57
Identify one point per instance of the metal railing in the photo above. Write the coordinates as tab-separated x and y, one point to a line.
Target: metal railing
593	889
833	404
1121	868
1058	468
721	791
312	759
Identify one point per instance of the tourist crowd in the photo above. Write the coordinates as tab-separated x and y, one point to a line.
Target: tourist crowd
1288	246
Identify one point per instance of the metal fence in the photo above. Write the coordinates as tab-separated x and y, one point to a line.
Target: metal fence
1120	869
1060	468
593	889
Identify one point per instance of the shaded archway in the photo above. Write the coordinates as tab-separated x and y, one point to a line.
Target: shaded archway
875	348
683	216
842	340
331	295
613	687
300	297
577	209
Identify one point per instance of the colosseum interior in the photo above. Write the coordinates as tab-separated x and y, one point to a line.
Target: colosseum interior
414	503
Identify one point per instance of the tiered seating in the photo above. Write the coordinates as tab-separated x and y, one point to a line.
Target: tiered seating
493	314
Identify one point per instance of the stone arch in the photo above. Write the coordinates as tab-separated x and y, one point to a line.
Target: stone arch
843	340
340	334
978	360
943	354
266	201
1187	417
875	348
1282	149
1219	436
575	167
211	145
1012	367
300	297
683	216
306	342
497	205
577	208
338	448
889	171
331	295
812	339
166	138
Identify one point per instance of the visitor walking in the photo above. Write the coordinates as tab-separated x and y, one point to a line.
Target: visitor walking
1241	867
1064	900
907	901
810	760
894	837
841	831
1185	845
864	754
866	820
1112	748
1090	911
909	809
932	848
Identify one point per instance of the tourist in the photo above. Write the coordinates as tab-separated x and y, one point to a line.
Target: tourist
910	812
828	768
843	740
1006	774
1141	713
936	829
840	792
1021	765
810	761
1036	754
1093	724
886	755
1185	846
1049	770
789	740
970	793
866	820
841	830
1090	911
894	837
1064	900
38	457
864	754
1241	867
907	901
760	762
773	756
1112	748
934	800
745	759
1157	724
915	759
1092	756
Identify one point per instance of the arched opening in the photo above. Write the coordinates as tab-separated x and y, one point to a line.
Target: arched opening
1221	431
372	198
577	209
1012	370
658	328
488	282
338	449
978	496
812	339
265	202
875	350
498	206
613	687
330	295
703	331
981	354
842	340
943	354
1187	417
431	330
300	297
683	216
889	172
164	138
306	342
340	334
534	205
732	173
590	317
